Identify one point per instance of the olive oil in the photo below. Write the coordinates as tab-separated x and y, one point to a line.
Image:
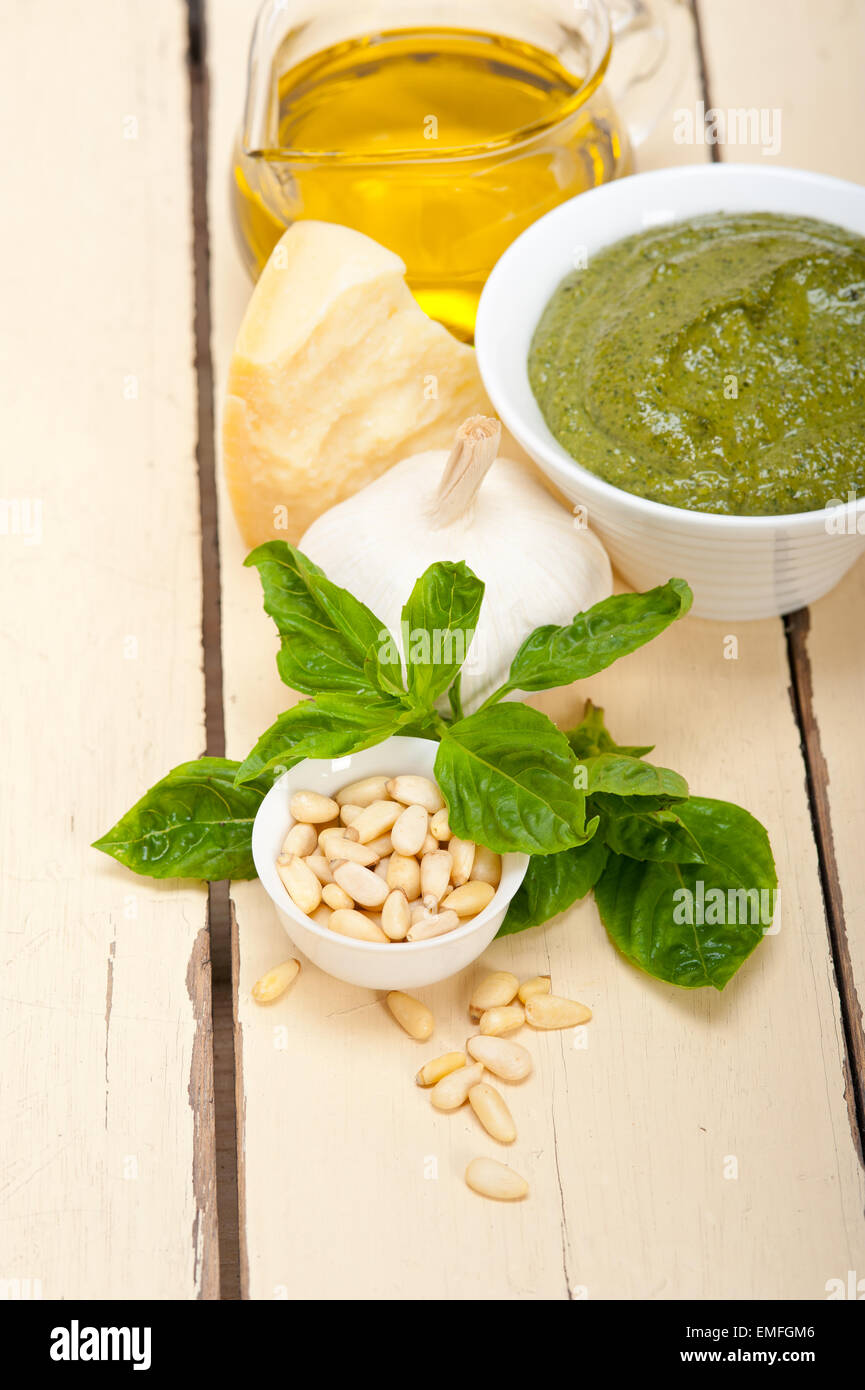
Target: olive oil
443	145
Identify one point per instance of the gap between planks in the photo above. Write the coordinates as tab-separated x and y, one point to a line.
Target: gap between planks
796	628
219	917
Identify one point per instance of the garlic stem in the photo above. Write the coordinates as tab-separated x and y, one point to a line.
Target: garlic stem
475	448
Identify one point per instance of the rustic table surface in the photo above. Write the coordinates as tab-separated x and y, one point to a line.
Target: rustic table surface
163	1136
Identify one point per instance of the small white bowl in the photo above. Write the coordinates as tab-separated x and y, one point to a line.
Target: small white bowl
376	965
739	567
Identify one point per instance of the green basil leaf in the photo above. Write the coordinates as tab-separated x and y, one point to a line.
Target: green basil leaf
620	775
195	823
694	924
552	883
330	726
507	775
552	656
591	737
438	624
331	642
649	834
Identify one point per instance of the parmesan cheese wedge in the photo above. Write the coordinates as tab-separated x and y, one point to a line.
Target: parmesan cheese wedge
337	374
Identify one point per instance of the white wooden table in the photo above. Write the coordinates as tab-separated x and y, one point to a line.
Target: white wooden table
702	1145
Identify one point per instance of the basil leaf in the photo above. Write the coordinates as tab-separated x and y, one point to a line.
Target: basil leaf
507	775
552	656
330	726
552	883
650	834
591	737
195	823
623	776
438	624
331	642
694	924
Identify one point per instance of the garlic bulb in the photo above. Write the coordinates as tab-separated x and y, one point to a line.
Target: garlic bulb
538	563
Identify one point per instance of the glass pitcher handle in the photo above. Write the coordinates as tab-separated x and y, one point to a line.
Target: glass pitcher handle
650	41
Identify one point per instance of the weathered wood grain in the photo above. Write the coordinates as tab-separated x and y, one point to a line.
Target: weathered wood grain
685	1144
106	1172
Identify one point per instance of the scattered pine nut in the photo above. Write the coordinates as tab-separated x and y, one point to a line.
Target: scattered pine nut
492	992
320	867
439	827
411	1014
504	1058
538	984
505	1019
403	872
452	1091
435	873
496	1180
493	1113
349	813
550	1011
312	809
339	848
376	820
274	984
432	1072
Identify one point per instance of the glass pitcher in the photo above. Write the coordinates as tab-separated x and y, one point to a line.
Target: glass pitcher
442	128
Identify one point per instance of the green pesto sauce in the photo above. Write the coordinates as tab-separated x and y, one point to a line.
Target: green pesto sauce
716	364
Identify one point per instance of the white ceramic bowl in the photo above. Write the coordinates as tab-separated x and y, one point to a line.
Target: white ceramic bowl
397	965
738	567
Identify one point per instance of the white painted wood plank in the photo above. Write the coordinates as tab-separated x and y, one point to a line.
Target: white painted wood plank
103	1189
625	1142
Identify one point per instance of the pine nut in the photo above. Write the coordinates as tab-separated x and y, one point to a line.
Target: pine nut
382	845
367	888
364	792
463	854
416	791
505	1059
492	1112
300	840
432	1072
411	1015
538	984
376	820
300	883
439	826
348	922
349	813
487	867
382	867
452	1091
502	1020
404	873
321	916
496	1180
277	981
320	867
550	1011
395	916
433	924
420	912
430	845
336	897
435	873
410	830
338	847
492	992
470	898
312	809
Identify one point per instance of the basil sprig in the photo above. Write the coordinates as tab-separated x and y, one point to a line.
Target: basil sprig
591	813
